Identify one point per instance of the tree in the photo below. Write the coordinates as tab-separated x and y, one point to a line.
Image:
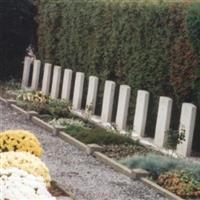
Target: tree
16	33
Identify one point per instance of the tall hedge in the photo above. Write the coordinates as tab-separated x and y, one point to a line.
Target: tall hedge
152	45
16	33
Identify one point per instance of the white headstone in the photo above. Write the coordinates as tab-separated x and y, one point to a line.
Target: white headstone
36	74
163	120
108	98
78	91
187	123
56	82
26	71
46	78
122	109
141	110
92	93
66	88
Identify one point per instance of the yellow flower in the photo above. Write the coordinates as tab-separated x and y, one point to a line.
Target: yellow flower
27	162
20	140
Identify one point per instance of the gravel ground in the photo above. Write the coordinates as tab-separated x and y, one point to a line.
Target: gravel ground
88	178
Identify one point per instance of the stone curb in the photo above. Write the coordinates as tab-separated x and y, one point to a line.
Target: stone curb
18	109
3	100
134	174
10	101
41	123
30	114
69	139
161	190
66	190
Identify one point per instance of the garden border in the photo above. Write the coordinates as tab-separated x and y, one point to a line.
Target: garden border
133	174
66	190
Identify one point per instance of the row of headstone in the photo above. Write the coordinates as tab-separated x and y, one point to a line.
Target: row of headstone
188	112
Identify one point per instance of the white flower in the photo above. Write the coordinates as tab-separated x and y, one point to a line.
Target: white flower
65	122
16	184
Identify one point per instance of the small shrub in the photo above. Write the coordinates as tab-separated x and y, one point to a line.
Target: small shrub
58	108
174	137
181	183
20	140
18	184
43	104
98	136
158	164
65	122
34	97
27	162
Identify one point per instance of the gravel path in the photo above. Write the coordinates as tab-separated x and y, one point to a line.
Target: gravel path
88	178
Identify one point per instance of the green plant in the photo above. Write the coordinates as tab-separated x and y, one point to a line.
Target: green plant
44	104
58	108
98	136
174	137
35	97
17	18
88	111
66	123
159	164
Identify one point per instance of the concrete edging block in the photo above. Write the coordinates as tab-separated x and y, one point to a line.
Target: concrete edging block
57	129
94	148
64	189
161	190
31	114
41	123
10	101
69	139
3	100
18	109
116	166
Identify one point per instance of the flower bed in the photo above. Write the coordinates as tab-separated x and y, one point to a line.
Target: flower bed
118	146
22	174
176	175
115	145
43	104
27	162
18	184
20	140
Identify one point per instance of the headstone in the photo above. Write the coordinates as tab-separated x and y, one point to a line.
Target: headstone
122	109
46	79
26	72
163	120
187	123
78	91
56	82
36	74
141	110
92	93
66	88
108	98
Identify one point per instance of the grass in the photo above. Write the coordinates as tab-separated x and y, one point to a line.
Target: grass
10	89
98	136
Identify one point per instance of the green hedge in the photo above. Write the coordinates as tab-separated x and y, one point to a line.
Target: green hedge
151	45
17	27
